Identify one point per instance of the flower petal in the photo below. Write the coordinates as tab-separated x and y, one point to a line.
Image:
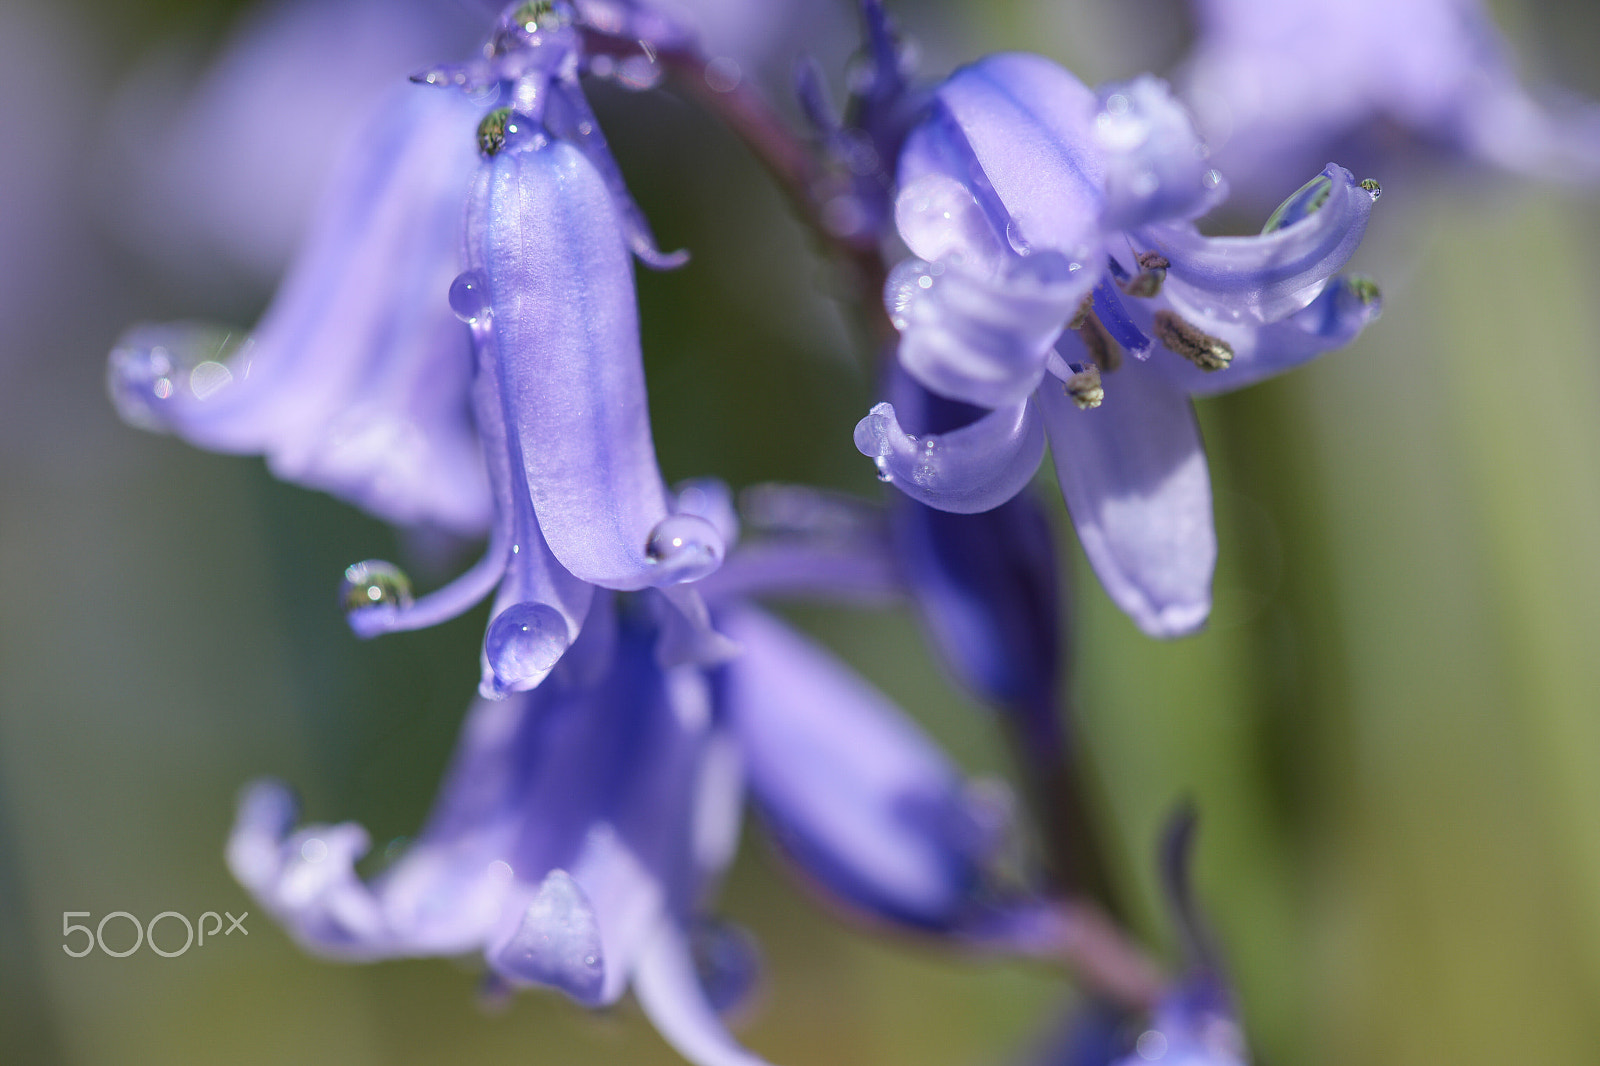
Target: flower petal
1270	276
1334	319
557	942
357	379
862	800
979	466
1134	475
546	232
986	587
982	335
670	992
1029	124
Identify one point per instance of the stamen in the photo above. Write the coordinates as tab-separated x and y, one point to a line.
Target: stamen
1200	348
1084	386
1152	272
1082	314
1102	349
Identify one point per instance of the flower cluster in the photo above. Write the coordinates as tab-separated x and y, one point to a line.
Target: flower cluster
457	346
1061	284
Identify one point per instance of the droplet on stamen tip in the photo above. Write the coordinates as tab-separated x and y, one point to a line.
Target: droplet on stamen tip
522	644
1200	348
374	583
1374	190
685	546
469	296
1364	288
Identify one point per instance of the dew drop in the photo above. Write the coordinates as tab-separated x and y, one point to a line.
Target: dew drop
374	583
1014	237
1374	190
639	72
686	546
1301	205
469	296
723	75
523	642
937	215
1212	178
153	364
905	286
314	849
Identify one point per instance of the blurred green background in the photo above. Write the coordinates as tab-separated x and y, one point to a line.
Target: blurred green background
1391	728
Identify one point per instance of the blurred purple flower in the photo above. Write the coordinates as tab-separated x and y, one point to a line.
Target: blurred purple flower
1052	226
1280	85
223	174
357	379
584	825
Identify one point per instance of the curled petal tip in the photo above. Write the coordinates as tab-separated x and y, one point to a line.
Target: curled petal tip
557	943
971	469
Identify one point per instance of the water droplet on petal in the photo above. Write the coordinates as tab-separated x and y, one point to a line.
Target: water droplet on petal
1374	190
685	546
723	75
938	216
1305	202
374	583
469	296
639	72
1014	237
1211	178
152	364
906	284
523	642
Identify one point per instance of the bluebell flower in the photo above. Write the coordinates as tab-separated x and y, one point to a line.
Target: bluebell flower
492	380
1061	286
1280	86
357	380
583	826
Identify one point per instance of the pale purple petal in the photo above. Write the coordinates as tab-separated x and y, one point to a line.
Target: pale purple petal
974	468
547	237
981	335
1266	277
1134	475
670	992
986	588
1156	165
866	804
1030	127
227	171
1279	86
1333	320
557	942
357	379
